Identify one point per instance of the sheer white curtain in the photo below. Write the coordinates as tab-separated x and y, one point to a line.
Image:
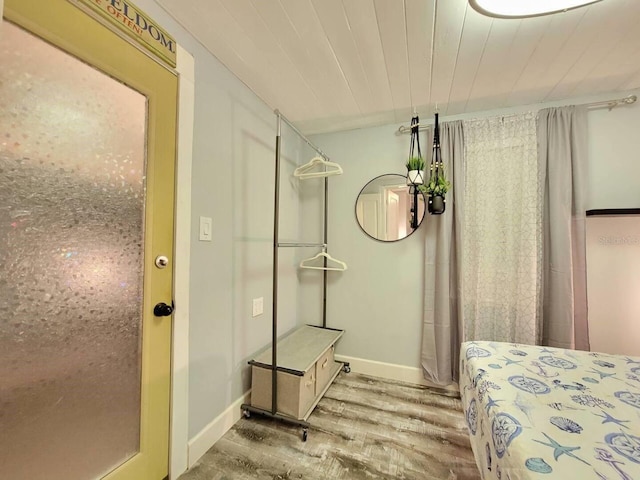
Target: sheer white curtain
501	264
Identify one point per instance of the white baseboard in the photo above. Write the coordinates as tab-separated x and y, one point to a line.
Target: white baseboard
390	371
213	432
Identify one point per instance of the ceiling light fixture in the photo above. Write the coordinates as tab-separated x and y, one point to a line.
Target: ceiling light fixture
526	8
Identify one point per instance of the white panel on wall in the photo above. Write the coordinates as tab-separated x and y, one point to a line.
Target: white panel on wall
613	283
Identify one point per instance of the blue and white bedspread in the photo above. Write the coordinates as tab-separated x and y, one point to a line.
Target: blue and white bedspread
536	412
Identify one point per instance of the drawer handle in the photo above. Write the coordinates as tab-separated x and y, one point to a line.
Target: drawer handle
310	382
324	364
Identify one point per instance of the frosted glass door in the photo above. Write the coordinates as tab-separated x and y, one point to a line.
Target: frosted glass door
72	189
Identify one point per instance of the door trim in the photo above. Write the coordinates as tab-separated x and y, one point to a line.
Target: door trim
179	436
103	18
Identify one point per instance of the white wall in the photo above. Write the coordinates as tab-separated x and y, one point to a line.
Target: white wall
378	301
233	183
614	158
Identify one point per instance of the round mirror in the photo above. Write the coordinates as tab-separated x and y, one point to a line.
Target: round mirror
385	208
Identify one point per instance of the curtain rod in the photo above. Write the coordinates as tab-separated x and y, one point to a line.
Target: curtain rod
608	104
306	140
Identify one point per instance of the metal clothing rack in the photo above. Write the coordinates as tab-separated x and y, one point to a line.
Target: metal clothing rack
273	413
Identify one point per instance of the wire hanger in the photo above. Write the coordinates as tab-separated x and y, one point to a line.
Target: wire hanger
339	267
306	170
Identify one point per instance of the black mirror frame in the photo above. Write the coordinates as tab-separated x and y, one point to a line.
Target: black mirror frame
355	210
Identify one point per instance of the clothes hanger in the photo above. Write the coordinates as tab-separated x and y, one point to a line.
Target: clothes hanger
341	266
304	171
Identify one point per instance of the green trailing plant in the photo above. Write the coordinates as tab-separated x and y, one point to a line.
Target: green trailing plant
437	184
415	163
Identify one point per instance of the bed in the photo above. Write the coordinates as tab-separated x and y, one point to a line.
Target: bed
540	412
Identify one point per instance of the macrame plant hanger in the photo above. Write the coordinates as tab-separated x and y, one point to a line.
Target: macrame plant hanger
436	201
414	177
436	158
413	147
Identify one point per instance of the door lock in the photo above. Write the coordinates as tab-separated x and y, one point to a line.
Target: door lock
163	310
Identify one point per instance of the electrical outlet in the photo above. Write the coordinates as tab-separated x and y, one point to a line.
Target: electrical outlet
258	306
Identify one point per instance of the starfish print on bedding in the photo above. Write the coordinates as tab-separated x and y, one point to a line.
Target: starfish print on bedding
491	403
602	374
511	362
609	419
559	450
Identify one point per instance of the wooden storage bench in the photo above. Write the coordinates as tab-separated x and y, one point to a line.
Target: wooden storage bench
306	368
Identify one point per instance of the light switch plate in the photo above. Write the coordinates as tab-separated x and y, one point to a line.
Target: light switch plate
258	306
205	229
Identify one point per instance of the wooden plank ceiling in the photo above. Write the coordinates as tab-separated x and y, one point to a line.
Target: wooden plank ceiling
337	64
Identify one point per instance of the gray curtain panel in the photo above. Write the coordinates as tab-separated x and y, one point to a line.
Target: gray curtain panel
441	334
562	155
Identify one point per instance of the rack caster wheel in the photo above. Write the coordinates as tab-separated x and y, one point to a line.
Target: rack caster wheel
246	414
304	435
346	369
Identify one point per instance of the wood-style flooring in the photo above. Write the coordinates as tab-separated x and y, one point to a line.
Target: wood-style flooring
363	428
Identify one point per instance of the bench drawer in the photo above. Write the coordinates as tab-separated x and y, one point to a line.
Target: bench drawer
295	393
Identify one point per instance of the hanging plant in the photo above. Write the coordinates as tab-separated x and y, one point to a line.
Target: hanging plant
415	163
437	184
